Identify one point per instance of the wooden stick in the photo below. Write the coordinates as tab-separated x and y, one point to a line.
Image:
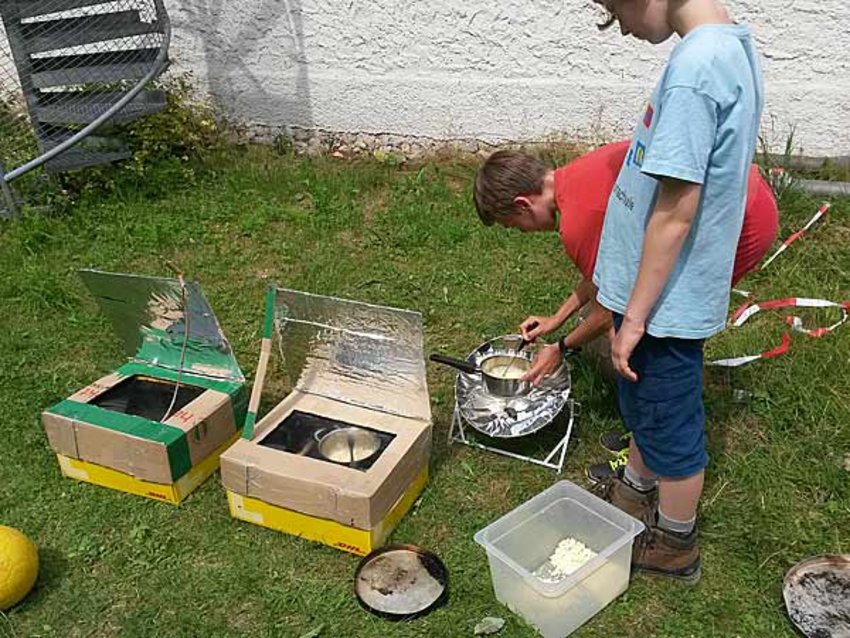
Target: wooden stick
260	376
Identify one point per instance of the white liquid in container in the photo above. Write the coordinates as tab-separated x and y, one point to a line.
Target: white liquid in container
506	367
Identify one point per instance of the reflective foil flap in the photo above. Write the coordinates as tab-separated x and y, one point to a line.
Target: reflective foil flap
357	353
150	317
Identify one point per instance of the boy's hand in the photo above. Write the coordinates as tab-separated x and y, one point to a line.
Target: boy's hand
535	326
545	363
623	345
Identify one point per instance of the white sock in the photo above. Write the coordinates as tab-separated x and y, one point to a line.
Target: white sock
639	482
672	525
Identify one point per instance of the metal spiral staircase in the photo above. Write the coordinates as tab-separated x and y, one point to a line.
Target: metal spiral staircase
67	69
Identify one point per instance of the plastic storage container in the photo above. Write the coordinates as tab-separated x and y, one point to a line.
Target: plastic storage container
522	540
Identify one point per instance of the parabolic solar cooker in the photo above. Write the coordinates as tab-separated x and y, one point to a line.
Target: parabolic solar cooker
501	419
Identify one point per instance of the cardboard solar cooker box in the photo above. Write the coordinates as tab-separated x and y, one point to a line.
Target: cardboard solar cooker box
354	368
158	424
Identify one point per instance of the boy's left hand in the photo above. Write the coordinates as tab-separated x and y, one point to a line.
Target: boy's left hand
545	363
623	344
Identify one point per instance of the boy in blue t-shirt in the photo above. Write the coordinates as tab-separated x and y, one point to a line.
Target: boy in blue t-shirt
665	260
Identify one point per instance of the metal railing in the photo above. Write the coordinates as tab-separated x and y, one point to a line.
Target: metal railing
67	68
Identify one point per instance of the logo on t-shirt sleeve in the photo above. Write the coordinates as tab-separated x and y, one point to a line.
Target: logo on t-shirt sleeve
647	117
640	154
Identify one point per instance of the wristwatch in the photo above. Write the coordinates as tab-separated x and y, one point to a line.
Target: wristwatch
566	352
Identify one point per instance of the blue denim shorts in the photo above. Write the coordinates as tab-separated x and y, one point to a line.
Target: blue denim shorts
664	410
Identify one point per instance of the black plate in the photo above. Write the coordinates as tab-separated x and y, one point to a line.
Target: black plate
401	582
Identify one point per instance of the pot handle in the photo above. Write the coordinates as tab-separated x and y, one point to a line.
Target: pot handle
458	364
318	434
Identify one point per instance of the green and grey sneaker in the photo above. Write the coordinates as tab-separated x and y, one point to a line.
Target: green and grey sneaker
600	472
615	442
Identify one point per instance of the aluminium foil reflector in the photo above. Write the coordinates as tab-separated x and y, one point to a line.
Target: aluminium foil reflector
366	355
150	317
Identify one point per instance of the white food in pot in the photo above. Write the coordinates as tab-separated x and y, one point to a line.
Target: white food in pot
342	453
504	368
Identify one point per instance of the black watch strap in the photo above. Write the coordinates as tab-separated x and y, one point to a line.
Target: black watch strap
562	346
566	352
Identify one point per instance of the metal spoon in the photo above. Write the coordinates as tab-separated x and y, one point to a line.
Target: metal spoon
513	359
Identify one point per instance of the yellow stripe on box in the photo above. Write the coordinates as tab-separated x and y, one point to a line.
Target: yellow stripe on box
349	539
169	493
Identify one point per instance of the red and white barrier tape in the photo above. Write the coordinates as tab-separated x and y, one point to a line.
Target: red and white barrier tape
794	237
750	308
737	362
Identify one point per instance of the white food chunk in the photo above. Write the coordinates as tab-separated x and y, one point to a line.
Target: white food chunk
568	557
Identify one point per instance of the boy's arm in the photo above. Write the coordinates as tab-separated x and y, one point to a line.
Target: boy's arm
584	292
669	225
536	326
597	323
549	358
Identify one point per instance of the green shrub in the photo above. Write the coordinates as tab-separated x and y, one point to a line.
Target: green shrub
168	147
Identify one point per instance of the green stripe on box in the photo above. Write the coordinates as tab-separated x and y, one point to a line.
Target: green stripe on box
239	401
173	438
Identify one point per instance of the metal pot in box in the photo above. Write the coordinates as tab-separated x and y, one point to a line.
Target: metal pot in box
348	445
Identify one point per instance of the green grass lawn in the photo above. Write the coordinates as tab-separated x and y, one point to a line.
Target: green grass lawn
777	490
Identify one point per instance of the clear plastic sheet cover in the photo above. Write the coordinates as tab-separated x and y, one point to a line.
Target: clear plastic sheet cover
148	316
357	353
506	418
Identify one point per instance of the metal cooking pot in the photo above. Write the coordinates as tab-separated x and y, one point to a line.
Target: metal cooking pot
501	372
348	445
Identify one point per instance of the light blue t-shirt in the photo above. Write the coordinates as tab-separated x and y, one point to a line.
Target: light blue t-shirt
701	126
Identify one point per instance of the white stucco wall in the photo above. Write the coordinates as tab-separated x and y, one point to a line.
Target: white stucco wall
494	71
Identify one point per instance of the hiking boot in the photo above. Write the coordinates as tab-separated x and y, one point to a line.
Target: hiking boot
615	442
626	498
661	553
599	472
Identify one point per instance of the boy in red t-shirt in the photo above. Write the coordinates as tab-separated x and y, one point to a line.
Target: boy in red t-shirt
516	190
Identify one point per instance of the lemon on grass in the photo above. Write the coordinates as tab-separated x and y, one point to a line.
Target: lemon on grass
18	566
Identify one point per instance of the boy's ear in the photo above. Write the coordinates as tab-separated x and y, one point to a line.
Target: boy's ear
522	203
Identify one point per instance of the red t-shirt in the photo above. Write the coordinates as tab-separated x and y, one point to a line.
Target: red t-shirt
582	190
